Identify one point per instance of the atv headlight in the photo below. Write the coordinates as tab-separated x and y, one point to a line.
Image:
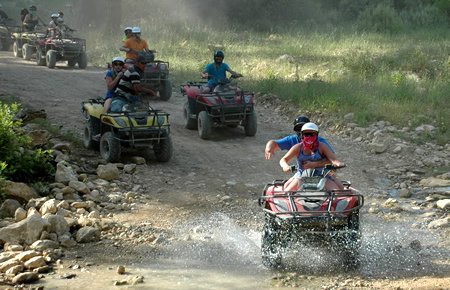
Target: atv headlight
163	67
161	120
121	122
342	204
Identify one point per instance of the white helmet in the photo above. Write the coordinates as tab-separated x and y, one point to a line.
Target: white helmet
128	28
310	127
55	15
136	30
118	58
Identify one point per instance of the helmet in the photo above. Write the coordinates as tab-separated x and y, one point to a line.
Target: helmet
55	15
299	122
60	20
144	57
128	28
310	127
219	53
136	30
118	58
33	8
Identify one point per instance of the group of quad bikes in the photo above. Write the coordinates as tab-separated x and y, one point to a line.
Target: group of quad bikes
310	215
43	49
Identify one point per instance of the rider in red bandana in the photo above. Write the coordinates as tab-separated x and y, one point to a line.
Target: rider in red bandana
309	153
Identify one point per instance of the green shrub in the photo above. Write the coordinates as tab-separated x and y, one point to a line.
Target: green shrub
18	162
381	18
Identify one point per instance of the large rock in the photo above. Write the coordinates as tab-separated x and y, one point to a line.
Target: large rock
87	235
9	207
27	231
377	147
26	277
19	191
49	207
108	171
39	138
5	266
434	182
64	174
25	256
42	245
35	262
20	214
36	202
440	223
443	204
58	224
80	186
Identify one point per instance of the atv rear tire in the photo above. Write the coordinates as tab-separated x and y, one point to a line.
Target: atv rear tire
270	248
251	125
189	123
110	147
39	59
50	58
204	125
90	131
82	60
17	49
27	51
166	90
163	150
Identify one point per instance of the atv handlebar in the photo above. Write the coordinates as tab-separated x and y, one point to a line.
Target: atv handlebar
294	168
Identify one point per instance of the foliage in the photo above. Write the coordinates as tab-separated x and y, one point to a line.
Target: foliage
18	161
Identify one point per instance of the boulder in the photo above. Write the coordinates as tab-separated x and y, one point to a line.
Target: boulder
58	224
79	186
129	168
108	171
19	191
64	174
39	138
20	214
9	207
35	262
15	270
49	207
36	202
25	256
5	266
434	182
443	204
41	245
26	277
377	147
26	231
88	234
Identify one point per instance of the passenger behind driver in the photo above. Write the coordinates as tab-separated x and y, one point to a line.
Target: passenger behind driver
134	45
216	71
60	30
130	84
52	25
112	79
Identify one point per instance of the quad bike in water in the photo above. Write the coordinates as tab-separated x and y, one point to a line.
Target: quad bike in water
227	105
156	77
134	127
312	216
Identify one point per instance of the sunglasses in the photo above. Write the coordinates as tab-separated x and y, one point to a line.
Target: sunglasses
118	63
308	134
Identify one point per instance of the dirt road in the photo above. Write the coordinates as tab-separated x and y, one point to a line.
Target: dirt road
205	201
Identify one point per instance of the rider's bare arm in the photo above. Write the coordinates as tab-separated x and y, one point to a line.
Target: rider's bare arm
204	74
111	83
140	88
293	152
271	146
315	164
235	73
326	151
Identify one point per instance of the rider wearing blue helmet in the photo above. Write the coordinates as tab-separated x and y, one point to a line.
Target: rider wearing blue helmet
216	71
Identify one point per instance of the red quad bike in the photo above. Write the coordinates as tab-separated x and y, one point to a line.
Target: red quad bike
227	105
312	216
53	49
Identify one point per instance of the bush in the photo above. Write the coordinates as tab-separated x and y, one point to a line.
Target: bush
18	162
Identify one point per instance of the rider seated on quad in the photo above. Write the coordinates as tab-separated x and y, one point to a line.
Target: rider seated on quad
61	15
112	78
31	20
130	84
309	153
216	71
128	34
52	25
134	45
60	30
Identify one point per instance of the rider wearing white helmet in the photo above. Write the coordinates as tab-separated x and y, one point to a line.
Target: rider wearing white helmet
128	33
310	154
112	79
135	44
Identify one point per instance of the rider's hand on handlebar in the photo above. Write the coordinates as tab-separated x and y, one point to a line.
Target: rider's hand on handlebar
287	168
204	76
338	163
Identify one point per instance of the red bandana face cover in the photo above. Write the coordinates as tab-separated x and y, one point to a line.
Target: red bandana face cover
310	142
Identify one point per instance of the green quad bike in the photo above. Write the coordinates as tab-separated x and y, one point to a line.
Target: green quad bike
143	128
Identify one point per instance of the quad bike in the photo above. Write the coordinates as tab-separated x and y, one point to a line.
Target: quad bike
156	77
226	105
7	28
312	216
48	50
135	127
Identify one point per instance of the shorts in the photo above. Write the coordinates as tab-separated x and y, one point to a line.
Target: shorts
118	102
210	86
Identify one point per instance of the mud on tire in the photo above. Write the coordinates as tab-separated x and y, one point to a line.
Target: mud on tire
109	147
189	123
204	124
163	150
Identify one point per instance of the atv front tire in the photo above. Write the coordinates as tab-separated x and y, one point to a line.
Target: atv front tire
39	59
163	150
16	49
109	147
270	248
251	125
89	132
50	58
166	90
82	60
204	124
27	50
189	123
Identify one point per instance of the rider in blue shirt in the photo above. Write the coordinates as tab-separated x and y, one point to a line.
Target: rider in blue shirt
288	142
216	71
